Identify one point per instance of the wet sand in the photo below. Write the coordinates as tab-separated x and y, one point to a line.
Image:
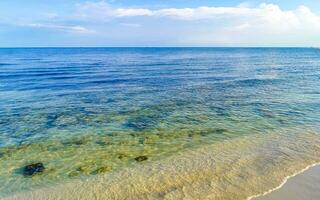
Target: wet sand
304	186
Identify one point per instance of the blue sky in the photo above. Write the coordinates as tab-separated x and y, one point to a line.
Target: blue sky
159	23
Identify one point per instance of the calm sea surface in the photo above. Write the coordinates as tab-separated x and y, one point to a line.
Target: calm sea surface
91	112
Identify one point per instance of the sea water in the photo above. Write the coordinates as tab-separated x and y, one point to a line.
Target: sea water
158	123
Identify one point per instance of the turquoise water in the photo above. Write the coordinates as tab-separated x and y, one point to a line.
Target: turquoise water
85	112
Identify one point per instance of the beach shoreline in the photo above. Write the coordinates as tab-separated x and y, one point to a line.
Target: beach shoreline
298	179
195	174
295	186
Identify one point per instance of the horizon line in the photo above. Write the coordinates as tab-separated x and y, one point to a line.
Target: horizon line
45	47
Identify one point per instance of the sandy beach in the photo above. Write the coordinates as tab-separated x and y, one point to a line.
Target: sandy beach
196	174
304	186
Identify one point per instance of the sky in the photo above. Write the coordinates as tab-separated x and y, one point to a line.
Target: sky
147	23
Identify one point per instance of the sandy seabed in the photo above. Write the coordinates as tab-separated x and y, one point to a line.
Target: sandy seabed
233	169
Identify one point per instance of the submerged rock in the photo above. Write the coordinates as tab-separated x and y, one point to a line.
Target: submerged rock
101	143
78	141
282	121
141	158
102	170
33	169
122	156
74	174
220	131
84	169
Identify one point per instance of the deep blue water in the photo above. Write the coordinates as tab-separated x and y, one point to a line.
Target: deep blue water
59	80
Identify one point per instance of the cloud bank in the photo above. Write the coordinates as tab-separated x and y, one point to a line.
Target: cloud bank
264	12
238	24
242	25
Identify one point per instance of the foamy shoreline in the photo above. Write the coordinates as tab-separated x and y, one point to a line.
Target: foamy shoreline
286	179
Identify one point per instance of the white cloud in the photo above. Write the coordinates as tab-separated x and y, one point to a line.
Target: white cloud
132	12
104	11
203	12
242	24
72	29
266	14
245	24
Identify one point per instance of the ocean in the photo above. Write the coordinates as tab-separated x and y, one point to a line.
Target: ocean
156	123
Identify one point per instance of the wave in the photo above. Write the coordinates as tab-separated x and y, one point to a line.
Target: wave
285	180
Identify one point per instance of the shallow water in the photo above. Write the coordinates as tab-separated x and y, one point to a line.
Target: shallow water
90	113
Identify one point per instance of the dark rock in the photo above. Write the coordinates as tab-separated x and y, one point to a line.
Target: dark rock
101	143
122	156
141	158
78	141
33	169
102	170
220	131
205	133
84	169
